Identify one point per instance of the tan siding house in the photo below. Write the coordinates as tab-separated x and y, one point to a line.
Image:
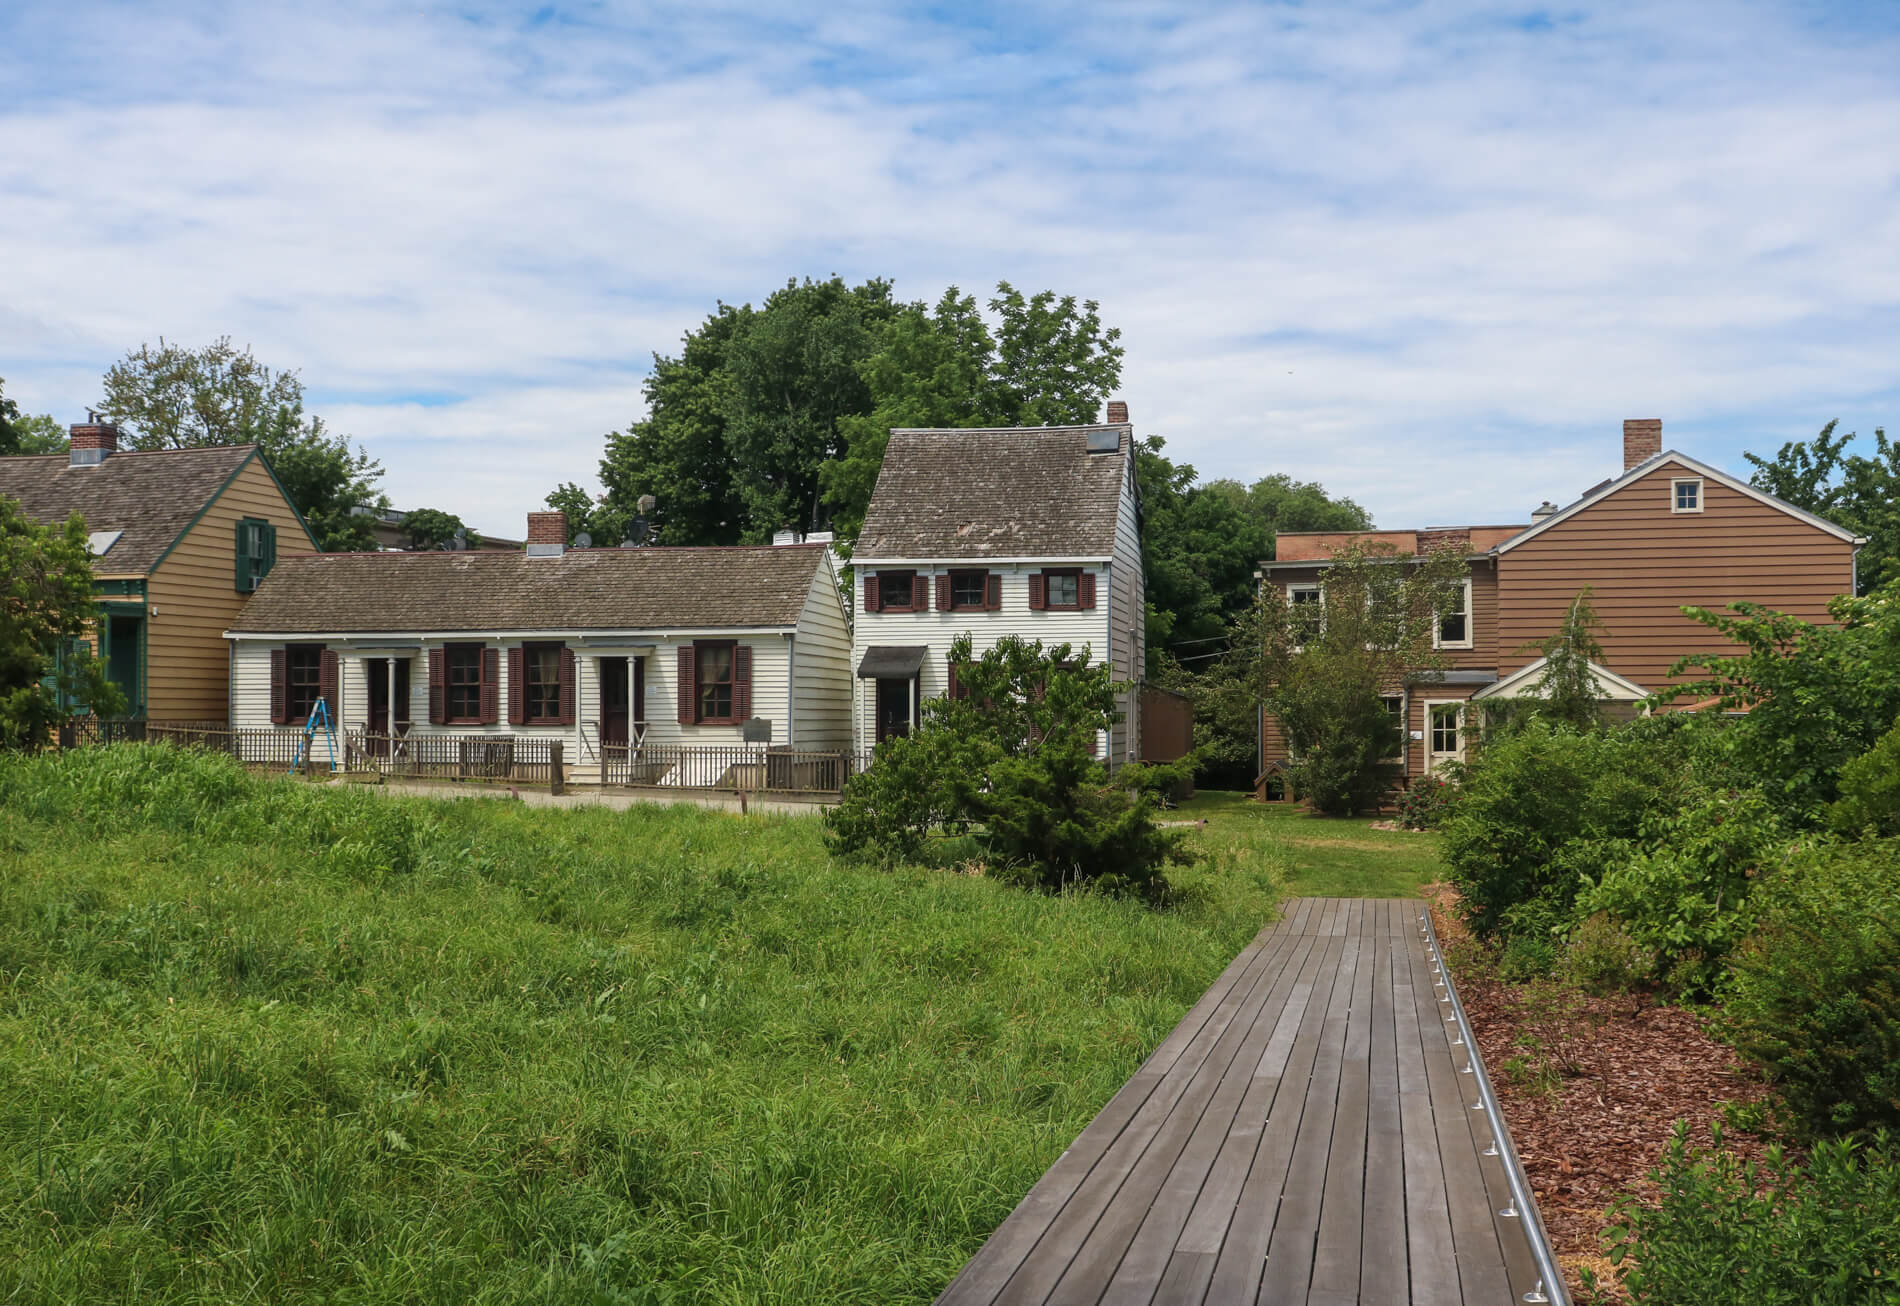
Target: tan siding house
1669	532
180	538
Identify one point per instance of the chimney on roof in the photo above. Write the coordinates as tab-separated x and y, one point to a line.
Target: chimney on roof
1642	440
1117	413
1543	510
547	534
93	441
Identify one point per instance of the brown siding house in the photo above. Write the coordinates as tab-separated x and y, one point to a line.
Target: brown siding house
1669	532
181	537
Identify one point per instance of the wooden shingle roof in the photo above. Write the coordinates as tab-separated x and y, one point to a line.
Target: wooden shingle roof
151	497
581	590
996	492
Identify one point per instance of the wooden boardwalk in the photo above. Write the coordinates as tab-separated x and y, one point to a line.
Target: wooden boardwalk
1306	1134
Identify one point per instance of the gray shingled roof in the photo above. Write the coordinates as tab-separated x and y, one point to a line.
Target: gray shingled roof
583	589
1011	492
152	497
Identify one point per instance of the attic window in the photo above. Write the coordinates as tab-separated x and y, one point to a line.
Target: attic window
1685	494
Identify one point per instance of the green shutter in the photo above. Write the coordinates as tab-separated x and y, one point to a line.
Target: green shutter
243	554
269	533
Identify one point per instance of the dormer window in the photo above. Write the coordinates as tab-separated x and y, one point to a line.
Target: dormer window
1686	494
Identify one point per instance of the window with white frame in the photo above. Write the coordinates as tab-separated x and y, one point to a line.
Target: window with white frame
1305	611
1685	494
1453	626
1444	728
1394	705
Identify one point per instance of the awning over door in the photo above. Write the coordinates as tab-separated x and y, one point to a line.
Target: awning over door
892	662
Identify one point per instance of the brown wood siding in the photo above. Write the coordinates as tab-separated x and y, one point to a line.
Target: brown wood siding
1644	562
194	595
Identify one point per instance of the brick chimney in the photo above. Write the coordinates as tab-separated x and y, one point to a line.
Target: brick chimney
547	534
1117	413
93	441
1642	440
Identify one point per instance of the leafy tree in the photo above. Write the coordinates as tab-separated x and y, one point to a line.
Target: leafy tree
46	608
1567	690
1281	503
791	377
1012	760
679	452
1322	674
431	528
1853	490
172	397
22	433
1816	696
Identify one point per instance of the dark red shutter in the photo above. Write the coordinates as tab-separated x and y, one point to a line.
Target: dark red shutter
491	686
326	680
993	592
567	686
956	684
919	593
279	687
944	596
438	686
1036	591
870	591
517	686
687	694
742	682
1085	590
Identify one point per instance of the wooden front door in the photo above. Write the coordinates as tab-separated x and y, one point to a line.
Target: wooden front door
893	708
376	672
622	705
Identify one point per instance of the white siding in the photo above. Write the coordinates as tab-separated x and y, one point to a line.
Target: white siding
250	690
821	669
1128	621
936	630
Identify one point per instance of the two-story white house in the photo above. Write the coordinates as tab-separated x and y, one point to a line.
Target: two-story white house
1026	531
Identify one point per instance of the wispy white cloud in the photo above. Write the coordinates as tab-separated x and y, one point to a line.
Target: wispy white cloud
1427	254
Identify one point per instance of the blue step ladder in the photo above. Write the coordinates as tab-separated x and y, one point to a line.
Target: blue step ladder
319	719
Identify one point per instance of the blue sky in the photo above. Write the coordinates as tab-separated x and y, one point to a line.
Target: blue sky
1430	255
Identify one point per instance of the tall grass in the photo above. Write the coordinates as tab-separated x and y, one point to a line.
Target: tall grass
261	1040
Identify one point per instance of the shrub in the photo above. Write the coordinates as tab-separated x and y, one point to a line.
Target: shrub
1684	894
1426	802
1727	1233
1870	791
1167	783
1601	957
1815	998
1547	805
1013	759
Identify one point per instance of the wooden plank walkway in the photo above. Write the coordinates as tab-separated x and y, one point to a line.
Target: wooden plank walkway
1305	1134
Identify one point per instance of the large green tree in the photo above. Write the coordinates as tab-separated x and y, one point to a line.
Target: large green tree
1855	490
174	397
46	608
779	415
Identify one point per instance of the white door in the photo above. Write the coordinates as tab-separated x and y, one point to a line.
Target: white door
1444	733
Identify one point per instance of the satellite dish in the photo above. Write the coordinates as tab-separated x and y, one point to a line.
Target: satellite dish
583	541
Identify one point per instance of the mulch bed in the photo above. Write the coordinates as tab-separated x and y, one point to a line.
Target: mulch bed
1591	1132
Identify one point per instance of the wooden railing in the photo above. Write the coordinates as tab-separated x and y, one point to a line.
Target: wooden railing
743	768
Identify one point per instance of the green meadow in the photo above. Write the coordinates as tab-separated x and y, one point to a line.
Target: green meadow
268	1041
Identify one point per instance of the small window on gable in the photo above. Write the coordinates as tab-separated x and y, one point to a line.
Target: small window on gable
256	548
1454	624
1686	494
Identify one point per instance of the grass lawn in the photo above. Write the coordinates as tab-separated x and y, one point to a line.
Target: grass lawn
261	1040
1320	857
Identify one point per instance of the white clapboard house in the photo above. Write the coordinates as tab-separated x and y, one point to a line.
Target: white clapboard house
1026	531
594	647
